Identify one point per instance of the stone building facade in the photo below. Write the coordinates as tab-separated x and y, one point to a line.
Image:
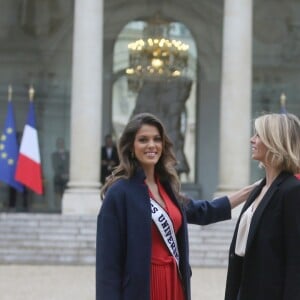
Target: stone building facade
245	54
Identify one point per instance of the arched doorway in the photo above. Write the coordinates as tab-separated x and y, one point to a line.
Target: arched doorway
172	99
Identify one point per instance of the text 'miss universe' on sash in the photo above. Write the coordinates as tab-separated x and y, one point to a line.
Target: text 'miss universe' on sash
165	227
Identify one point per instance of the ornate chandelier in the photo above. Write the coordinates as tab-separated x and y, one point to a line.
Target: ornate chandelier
156	56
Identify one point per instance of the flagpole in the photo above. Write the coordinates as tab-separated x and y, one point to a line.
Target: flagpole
10	91
283	99
31	93
283	103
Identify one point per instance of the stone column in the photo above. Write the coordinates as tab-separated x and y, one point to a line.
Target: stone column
235	118
82	195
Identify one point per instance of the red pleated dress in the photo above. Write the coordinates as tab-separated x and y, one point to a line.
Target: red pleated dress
165	279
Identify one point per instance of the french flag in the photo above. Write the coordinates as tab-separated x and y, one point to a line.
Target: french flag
29	171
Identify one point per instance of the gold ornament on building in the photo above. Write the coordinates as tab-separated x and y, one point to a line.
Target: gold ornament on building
156	56
283	109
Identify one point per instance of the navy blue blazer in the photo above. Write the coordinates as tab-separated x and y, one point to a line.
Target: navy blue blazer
270	268
123	251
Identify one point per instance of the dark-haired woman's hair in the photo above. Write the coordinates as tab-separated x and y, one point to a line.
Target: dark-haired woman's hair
165	167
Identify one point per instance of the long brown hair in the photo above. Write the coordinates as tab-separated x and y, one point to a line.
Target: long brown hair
165	167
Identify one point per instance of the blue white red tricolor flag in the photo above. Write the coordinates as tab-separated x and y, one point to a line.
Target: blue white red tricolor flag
9	150
29	170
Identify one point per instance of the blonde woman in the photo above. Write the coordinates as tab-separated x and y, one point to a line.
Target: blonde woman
264	258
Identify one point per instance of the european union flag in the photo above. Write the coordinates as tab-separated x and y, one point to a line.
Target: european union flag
9	151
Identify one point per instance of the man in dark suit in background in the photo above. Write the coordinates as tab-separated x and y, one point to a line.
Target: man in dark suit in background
60	163
109	157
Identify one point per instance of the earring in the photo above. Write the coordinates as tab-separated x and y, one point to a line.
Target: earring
132	155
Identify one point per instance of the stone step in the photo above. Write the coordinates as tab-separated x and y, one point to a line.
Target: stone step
209	245
64	239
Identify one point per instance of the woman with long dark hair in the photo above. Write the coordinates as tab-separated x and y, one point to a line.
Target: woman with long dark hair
142	236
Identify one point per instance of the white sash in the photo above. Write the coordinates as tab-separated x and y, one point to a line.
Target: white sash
165	227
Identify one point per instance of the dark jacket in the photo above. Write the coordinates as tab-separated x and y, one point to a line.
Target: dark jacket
123	255
105	171
270	269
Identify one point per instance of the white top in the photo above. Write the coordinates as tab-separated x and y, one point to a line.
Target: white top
243	231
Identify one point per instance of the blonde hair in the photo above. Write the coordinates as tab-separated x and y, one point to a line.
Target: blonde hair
281	135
